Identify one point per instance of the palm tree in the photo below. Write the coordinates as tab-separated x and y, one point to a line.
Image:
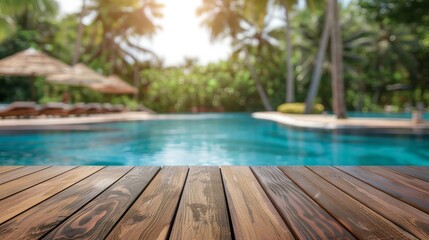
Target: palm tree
244	22
121	24
9	8
78	44
290	86
331	28
338	95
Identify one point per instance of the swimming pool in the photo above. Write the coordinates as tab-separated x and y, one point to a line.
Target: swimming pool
208	139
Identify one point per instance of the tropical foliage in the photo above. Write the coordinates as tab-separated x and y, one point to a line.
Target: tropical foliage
385	53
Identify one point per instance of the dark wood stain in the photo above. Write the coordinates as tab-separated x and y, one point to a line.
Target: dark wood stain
412	191
411	219
97	218
202	212
151	216
30	180
411	172
363	222
96	202
306	218
253	215
39	220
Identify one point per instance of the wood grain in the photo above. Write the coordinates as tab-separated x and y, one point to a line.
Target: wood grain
30	180
17	173
412	172
97	218
151	216
202	212
15	204
40	219
252	213
363	222
412	191
305	217
8	168
398	212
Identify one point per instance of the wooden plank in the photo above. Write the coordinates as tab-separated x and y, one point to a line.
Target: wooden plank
360	220
413	172
15	204
412	191
97	218
400	213
252	213
30	180
202	212
8	168
40	219
17	173
305	217
422	168
151	216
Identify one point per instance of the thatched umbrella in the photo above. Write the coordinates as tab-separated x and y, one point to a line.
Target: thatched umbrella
78	75
31	63
114	85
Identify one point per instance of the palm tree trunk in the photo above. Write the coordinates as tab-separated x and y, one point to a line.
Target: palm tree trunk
290	91
338	101
136	79
317	72
259	88
76	53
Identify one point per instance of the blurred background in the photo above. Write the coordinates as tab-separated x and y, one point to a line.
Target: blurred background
230	55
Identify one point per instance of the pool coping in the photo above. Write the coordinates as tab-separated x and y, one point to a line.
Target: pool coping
353	125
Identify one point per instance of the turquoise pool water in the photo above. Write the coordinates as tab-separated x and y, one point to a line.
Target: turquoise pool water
208	139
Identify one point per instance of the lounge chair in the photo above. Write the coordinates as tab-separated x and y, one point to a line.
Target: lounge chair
94	108
77	109
19	109
118	108
107	108
54	109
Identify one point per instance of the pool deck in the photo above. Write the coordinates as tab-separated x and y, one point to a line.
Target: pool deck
329	122
228	202
72	123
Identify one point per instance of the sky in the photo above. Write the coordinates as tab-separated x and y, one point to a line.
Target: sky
181	35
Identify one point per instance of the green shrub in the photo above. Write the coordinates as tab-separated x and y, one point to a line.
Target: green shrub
298	108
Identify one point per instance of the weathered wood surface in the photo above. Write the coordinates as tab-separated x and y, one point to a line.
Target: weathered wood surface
363	222
151	216
15	204
202	212
306	218
19	172
411	219
413	191
97	218
252	213
30	180
40	219
413	172
44	202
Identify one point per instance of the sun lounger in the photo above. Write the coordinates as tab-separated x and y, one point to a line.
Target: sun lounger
77	109
19	109
54	109
94	108
118	108
107	108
